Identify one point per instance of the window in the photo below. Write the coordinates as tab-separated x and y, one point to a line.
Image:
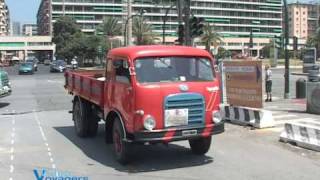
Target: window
173	69
122	71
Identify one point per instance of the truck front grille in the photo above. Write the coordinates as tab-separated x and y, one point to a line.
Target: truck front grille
192	101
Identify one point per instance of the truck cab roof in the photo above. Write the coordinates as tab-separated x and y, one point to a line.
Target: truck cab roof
134	52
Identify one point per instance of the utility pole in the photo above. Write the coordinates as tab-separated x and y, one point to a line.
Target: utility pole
187	12
63	8
286	36
129	35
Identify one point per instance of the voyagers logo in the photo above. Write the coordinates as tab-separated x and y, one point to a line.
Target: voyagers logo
52	174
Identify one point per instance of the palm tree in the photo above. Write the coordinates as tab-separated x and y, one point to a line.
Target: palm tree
110	27
210	37
142	32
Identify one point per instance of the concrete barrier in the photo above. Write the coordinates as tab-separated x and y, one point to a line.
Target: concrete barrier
257	118
303	134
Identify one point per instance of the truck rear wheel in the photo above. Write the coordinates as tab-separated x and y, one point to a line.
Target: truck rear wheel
201	145
120	147
86	124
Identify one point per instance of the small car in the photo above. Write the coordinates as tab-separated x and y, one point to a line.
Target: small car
5	86
58	66
34	62
26	68
314	76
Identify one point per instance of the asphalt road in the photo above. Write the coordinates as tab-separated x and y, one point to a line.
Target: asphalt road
37	132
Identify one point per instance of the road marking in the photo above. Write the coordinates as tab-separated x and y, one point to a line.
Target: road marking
45	140
284	116
280	122
12	146
11	168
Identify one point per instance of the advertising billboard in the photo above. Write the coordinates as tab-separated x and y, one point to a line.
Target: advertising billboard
244	83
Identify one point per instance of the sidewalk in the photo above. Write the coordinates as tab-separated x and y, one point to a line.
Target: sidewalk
291	67
289	110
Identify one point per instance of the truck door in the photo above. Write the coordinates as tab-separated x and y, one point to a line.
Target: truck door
121	91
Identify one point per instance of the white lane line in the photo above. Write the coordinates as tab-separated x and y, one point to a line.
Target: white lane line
11	168
284	116
45	140
12	146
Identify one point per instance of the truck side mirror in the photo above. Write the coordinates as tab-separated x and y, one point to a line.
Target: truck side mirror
216	68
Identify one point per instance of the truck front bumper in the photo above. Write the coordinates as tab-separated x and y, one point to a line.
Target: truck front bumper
177	133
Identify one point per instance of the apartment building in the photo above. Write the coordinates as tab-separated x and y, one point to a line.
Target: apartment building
4	19
303	19
30	29
234	19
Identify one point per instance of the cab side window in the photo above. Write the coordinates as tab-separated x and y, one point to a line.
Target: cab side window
122	71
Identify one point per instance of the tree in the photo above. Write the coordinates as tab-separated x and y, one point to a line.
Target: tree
210	37
65	30
222	53
142	32
110	27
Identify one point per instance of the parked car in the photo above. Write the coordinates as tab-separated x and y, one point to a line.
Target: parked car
58	66
314	75
46	62
26	68
34	62
5	86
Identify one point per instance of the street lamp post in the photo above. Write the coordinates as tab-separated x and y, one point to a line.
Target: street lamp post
286	35
165	18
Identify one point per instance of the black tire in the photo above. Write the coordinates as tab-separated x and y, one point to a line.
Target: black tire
121	148
85	122
200	146
93	124
80	122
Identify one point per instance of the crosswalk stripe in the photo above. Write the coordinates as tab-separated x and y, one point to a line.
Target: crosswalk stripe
284	116
280	122
277	112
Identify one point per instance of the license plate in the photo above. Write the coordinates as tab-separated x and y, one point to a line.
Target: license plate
189	132
176	117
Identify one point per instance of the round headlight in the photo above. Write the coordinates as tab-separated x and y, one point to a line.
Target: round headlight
216	117
149	123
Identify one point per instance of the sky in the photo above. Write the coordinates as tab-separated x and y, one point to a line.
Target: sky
24	11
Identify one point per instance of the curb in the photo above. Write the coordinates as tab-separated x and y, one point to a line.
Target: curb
257	118
303	134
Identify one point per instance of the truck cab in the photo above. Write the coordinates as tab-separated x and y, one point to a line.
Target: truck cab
153	94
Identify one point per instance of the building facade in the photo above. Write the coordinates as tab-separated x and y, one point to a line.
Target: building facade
234	19
303	19
30	29
16	29
4	19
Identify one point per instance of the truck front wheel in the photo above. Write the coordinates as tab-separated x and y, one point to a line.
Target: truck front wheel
201	145
120	147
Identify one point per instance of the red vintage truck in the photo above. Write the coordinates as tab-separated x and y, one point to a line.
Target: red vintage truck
148	95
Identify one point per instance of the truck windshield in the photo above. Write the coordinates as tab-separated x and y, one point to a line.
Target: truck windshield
173	69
